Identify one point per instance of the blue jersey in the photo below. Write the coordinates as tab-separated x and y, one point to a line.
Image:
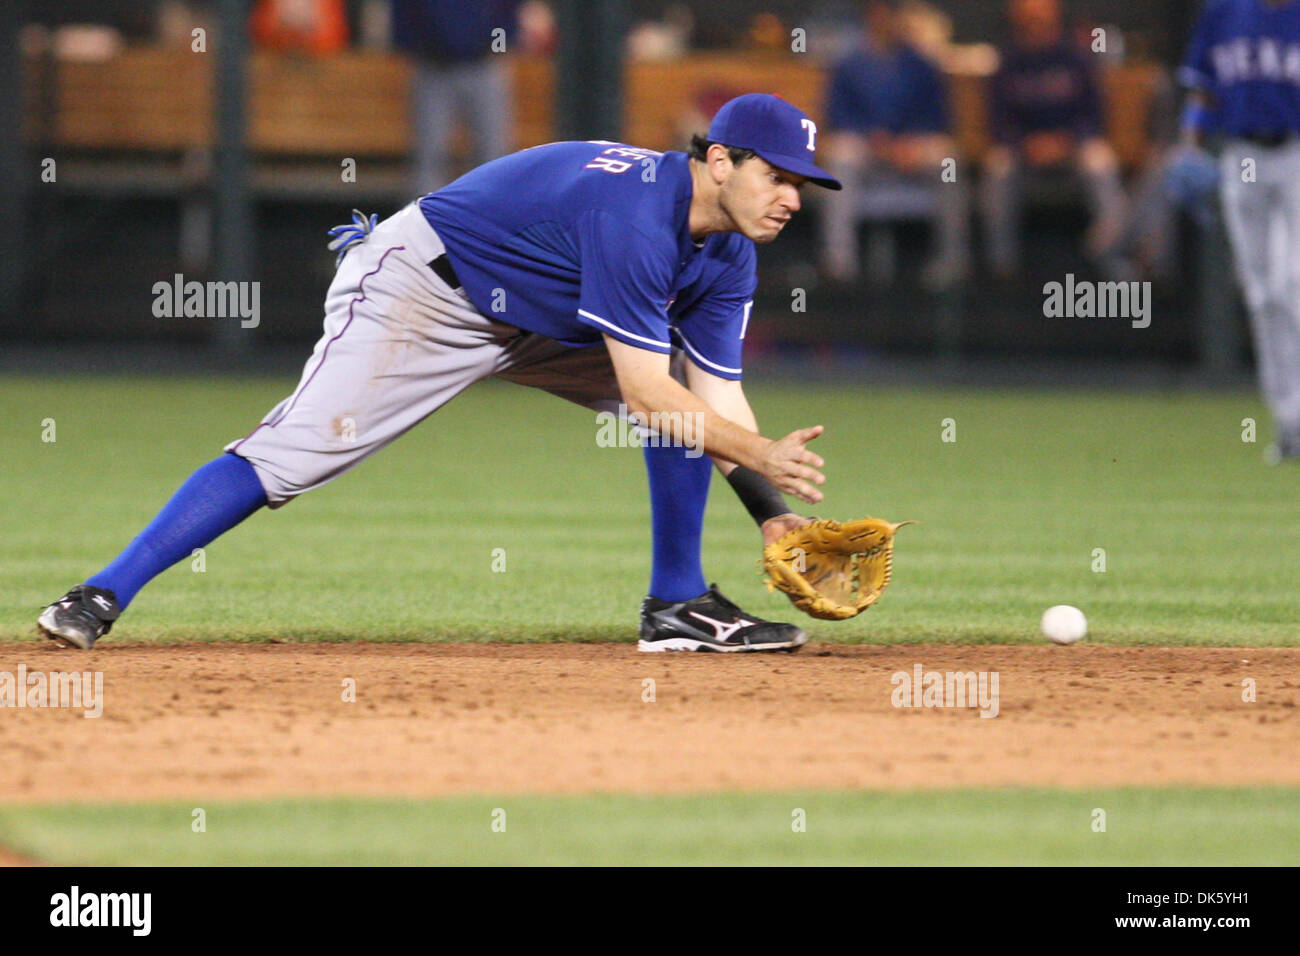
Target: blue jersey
900	92
1245	54
1046	90
580	240
451	30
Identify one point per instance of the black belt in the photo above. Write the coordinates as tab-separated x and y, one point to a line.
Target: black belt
1271	140
441	267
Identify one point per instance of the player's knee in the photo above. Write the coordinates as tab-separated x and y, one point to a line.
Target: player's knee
285	477
280	487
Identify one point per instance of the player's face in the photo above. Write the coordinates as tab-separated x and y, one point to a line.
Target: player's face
759	198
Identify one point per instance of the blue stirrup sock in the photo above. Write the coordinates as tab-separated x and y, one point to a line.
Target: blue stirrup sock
224	492
213	500
679	490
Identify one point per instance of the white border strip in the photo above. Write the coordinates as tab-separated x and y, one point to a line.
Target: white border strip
630	335
700	358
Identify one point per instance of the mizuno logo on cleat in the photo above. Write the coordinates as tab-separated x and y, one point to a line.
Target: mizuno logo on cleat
723	630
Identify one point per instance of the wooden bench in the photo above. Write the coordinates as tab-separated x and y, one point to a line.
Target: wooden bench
142	123
356	104
156	100
658	94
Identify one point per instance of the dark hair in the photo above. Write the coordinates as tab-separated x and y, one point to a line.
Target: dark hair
700	148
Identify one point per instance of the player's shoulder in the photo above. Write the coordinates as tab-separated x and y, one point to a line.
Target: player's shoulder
565	151
596	155
631	177
647	191
730	264
731	249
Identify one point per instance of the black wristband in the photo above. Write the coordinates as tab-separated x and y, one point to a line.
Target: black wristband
759	496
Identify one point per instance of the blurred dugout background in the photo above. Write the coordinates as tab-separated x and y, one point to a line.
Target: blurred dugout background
229	164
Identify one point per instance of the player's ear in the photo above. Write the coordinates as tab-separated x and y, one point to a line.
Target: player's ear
719	162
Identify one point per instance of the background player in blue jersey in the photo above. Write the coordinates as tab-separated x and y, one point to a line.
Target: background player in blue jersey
887	122
1243	68
603	273
1046	114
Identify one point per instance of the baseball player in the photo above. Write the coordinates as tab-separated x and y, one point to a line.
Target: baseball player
599	272
1243	69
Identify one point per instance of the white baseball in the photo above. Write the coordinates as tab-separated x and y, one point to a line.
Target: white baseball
1064	624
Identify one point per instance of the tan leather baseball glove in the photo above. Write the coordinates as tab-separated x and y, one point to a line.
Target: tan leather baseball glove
831	570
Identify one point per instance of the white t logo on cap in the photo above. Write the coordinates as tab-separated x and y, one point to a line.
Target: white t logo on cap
811	127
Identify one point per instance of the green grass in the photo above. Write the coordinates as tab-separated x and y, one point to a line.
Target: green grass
1200	537
998	827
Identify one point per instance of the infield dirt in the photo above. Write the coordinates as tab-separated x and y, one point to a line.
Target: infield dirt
220	721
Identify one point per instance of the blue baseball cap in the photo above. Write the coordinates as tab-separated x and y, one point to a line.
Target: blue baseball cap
778	131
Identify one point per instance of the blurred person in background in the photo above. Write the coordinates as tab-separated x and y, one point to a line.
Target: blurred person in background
310	27
458	76
767	33
666	38
1046	114
1150	239
1243	72
887	115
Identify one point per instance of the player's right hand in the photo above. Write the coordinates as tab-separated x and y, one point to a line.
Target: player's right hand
789	465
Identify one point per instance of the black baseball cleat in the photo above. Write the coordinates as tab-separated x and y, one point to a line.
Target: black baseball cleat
80	617
711	623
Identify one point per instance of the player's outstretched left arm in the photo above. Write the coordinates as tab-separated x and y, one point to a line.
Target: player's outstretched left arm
663	402
760	497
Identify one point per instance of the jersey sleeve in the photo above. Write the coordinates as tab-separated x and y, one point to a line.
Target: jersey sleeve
712	330
626	283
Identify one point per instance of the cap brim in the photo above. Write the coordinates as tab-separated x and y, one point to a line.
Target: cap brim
797	164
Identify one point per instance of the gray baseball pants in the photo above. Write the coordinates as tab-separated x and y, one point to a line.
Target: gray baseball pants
399	343
1263	219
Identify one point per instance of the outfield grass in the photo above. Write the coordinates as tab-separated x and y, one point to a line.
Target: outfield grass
1200	537
999	827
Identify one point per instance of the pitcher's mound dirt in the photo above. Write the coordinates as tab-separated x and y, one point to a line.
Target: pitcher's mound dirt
227	721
